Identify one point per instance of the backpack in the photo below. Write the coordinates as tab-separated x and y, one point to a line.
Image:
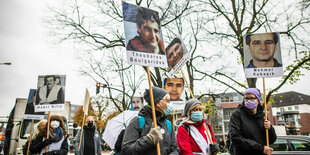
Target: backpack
189	131
142	122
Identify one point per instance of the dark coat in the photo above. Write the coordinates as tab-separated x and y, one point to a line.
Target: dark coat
136	144
247	131
38	144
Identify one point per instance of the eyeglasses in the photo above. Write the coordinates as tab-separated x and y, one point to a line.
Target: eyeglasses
250	98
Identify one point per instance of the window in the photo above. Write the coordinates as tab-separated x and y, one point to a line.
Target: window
280	145
289	108
296	107
300	145
281	109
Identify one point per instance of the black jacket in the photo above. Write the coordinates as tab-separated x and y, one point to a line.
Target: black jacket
136	144
38	144
247	131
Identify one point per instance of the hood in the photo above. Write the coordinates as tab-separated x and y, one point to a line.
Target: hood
146	111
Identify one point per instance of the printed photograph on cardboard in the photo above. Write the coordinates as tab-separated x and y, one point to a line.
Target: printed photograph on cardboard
30	107
136	103
175	88
143	35
50	94
175	52
262	55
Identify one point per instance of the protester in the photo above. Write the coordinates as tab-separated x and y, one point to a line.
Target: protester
40	128
247	131
91	143
57	142
143	140
262	48
192	136
148	27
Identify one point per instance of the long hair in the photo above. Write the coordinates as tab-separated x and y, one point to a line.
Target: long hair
37	131
58	118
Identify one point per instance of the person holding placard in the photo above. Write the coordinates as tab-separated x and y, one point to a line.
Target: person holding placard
140	137
192	137
247	128
58	139
90	143
148	27
262	48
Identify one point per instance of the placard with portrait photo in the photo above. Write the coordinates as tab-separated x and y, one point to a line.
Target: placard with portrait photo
143	36
136	103
50	94
262	55
30	106
175	88
177	55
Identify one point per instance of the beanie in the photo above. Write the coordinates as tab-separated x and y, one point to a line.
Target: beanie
189	106
253	91
158	94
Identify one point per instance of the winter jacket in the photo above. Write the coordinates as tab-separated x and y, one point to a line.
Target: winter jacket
247	132
38	144
97	143
135	142
186	142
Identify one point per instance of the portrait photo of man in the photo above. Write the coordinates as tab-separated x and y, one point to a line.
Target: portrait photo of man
174	87
262	50
174	52
137	103
147	31
51	92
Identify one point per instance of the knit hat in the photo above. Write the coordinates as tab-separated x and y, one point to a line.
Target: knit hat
253	91
189	106
158	94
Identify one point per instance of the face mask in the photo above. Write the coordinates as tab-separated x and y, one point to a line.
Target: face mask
54	124
250	104
169	109
90	124
196	116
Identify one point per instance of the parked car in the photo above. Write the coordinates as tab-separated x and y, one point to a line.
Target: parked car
292	145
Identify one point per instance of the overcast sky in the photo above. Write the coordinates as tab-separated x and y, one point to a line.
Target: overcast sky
24	43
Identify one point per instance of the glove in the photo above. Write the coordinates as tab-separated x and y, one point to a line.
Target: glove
155	135
48	153
214	148
47	142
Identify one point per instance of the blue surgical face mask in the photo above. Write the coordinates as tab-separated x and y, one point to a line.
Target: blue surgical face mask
169	109
196	116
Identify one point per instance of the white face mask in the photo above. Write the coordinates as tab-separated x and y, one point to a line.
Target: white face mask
54	124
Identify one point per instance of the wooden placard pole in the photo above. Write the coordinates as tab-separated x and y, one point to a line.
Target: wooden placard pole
28	146
173	119
152	104
265	105
189	88
48	129
84	115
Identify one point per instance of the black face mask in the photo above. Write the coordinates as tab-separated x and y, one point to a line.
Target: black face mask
90	124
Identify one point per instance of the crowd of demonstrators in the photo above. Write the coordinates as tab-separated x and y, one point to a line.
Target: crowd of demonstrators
192	136
91	141
247	131
143	141
58	138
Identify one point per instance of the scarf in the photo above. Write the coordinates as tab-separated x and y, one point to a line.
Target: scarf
200	140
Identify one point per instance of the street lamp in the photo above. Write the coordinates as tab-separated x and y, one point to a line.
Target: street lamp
5	63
